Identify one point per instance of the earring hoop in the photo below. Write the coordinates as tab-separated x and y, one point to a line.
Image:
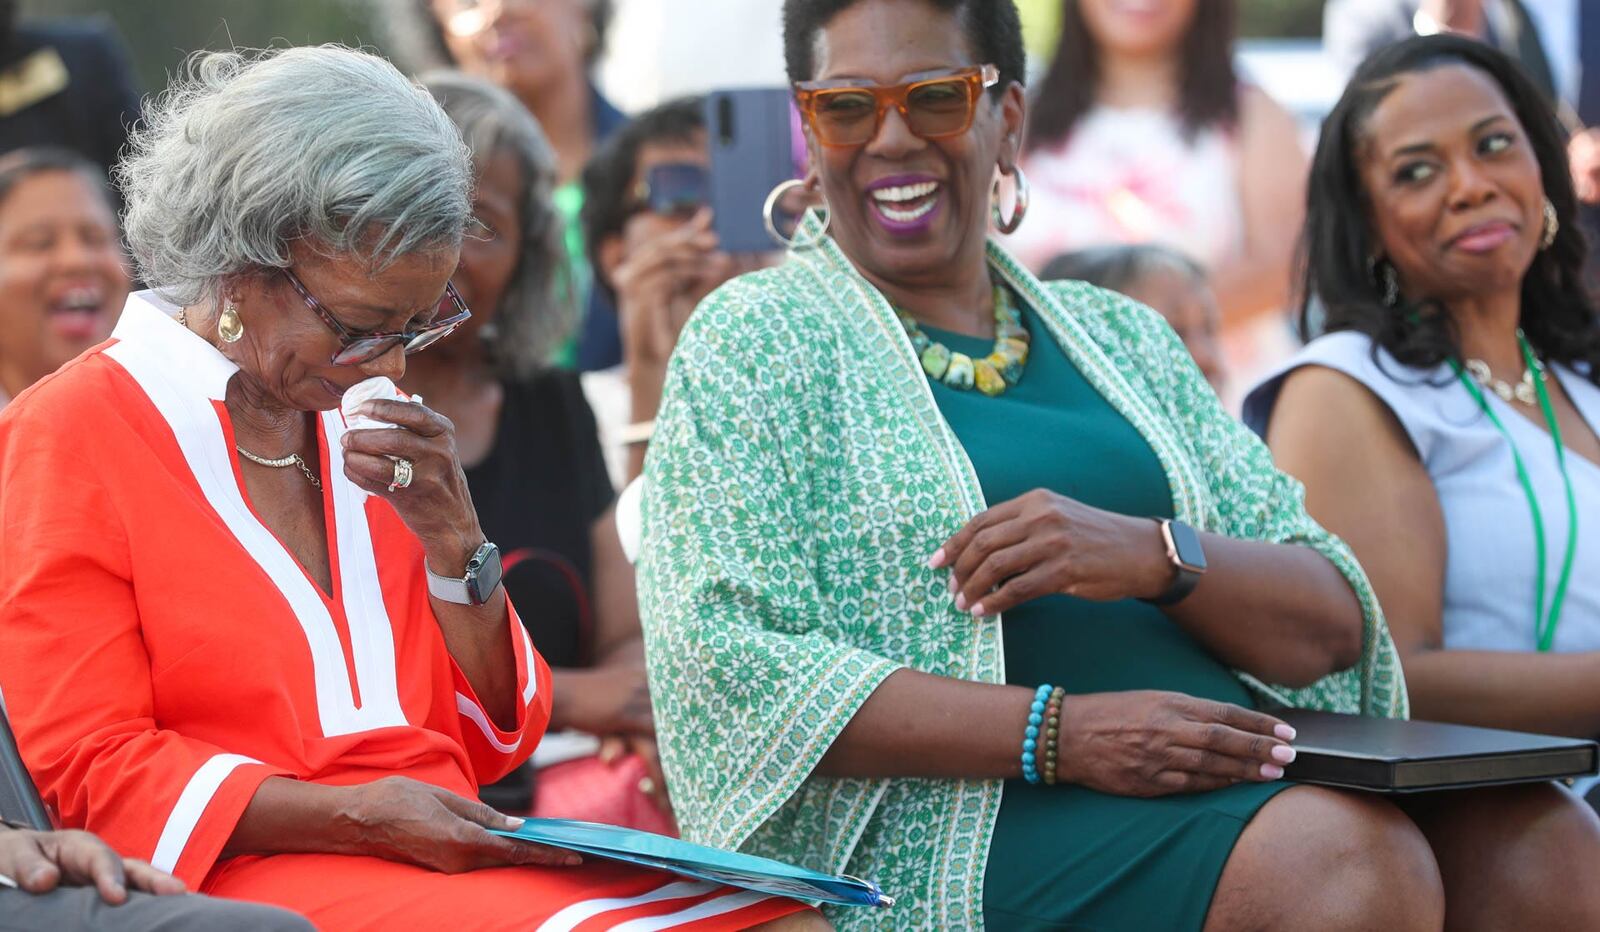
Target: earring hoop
1552	225
1019	207
786	242
229	326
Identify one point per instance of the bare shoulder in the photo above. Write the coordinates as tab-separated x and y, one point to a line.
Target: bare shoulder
1323	413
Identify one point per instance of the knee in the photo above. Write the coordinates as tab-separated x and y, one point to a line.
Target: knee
1388	869
1373	866
1548	870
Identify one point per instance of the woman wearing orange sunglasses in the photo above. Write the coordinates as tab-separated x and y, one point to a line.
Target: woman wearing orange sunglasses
968	583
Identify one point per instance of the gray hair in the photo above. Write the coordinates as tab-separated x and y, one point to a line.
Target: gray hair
538	309
252	151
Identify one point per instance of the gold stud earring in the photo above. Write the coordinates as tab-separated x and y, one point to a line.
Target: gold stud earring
229	326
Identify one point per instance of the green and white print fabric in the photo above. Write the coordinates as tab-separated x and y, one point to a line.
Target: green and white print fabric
799	477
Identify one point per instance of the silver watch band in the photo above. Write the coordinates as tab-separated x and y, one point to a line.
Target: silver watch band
448	588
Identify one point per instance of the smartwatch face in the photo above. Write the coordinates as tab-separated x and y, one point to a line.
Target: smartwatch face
1187	543
487	576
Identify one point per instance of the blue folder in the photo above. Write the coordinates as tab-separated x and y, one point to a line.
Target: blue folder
680	857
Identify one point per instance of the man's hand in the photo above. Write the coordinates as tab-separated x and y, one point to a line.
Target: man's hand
40	861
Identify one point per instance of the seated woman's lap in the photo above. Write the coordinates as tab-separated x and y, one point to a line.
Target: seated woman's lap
343	892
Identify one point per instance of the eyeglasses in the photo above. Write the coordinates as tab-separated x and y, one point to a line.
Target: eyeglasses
358	348
845	113
672	189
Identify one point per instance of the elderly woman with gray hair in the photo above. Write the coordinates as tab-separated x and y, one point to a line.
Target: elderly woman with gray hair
253	629
531	452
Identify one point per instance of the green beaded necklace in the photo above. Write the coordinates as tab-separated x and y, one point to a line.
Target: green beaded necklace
992	374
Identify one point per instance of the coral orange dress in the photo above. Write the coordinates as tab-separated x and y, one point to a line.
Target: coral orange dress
164	653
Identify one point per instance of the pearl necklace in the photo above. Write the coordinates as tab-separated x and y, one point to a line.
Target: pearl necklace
992	374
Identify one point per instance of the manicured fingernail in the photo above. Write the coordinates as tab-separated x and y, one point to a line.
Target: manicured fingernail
1284	732
937	560
978	611
1272	771
961	601
1283	754
953	586
513	823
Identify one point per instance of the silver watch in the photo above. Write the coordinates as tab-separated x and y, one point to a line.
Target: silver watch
477	586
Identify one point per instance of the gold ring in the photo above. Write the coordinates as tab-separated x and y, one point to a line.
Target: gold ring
403	473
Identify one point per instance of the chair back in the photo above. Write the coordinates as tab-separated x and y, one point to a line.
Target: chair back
19	798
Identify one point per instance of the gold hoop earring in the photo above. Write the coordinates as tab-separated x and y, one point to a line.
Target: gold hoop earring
1019	208
786	242
229	326
1552	225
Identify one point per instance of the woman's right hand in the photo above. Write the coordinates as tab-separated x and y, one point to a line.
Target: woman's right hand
1150	743
406	820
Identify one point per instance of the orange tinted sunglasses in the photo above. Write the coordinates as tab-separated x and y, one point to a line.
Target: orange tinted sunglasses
936	106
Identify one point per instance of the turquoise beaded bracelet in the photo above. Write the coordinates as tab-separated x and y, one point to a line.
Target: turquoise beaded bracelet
1030	735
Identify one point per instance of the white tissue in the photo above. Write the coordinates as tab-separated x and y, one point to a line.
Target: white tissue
377	388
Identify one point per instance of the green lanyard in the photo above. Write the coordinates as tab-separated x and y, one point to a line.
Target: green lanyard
1544	627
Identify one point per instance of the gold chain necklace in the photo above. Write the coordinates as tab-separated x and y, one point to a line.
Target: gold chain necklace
293	459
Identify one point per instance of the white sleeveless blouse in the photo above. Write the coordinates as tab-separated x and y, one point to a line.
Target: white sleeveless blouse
1490	576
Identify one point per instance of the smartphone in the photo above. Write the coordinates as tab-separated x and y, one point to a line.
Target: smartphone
753	150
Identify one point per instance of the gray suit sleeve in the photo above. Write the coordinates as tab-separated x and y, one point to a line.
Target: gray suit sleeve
80	909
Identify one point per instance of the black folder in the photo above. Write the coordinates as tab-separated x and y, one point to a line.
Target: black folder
1393	756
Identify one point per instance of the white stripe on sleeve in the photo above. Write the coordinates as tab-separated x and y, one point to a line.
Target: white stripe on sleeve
191	805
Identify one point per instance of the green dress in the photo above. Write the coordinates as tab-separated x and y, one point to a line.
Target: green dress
800	475
1131	863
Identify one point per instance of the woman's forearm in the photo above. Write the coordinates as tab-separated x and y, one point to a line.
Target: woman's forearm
921	725
1556	694
478	638
289	816
1278	611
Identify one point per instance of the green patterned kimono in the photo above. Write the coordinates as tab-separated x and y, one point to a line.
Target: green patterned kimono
799	476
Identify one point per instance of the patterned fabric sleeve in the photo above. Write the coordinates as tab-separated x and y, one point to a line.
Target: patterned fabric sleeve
1250	498
748	694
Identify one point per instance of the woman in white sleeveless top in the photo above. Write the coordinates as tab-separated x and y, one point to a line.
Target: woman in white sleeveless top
1141	133
1446	426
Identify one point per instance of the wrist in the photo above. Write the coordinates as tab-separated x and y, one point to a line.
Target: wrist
1155	572
339	818
449	556
645	381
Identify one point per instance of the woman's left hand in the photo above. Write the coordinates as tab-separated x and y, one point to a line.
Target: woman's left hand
1042	544
435	505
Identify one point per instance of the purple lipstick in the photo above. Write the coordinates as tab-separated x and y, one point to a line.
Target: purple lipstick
905	205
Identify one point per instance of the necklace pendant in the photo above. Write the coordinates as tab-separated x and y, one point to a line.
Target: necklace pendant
936	360
960	375
988	378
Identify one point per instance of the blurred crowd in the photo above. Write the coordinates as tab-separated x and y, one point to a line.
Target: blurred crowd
1398	309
